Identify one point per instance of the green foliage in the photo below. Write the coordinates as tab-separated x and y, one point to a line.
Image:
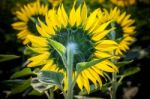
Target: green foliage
7	57
130	71
21	87
84	65
50	77
40	86
22	73
35	93
59	48
123	63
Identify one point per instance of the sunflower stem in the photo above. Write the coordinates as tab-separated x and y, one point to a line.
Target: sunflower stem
51	94
70	71
114	85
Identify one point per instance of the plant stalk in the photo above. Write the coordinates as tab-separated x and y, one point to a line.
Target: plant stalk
114	86
69	73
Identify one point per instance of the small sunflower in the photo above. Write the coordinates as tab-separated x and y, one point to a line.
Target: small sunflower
97	1
55	2
83	31
125	30
123	3
28	16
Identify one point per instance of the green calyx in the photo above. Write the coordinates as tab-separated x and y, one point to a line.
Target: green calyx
79	41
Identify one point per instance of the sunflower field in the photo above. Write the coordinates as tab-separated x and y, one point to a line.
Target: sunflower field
74	49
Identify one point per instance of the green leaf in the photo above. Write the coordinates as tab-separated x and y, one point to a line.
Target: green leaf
51	77
40	86
84	65
28	51
123	63
131	71
58	47
7	57
10	83
35	93
21	87
22	73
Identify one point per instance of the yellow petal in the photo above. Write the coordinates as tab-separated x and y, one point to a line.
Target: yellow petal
95	75
64	14
86	73
38	41
72	17
49	66
41	31
91	19
102	27
99	36
46	29
19	25
84	12
99	54
78	16
39	50
104	67
38	60
86	83
80	82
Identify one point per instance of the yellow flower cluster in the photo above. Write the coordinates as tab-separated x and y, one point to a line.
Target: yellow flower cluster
123	3
91	32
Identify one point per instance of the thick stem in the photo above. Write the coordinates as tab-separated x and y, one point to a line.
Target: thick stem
51	94
114	86
69	73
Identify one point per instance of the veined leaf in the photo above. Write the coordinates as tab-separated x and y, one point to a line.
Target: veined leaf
39	86
131	71
57	46
123	63
8	57
22	73
11	83
35	93
21	87
51	77
84	65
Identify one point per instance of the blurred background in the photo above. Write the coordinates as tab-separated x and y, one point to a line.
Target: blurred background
135	86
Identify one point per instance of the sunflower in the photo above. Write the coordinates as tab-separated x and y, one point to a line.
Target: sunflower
28	16
97	1
125	30
83	31
123	3
55	2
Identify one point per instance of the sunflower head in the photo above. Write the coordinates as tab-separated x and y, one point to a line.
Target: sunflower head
55	2
97	1
124	29
123	3
80	31
28	17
